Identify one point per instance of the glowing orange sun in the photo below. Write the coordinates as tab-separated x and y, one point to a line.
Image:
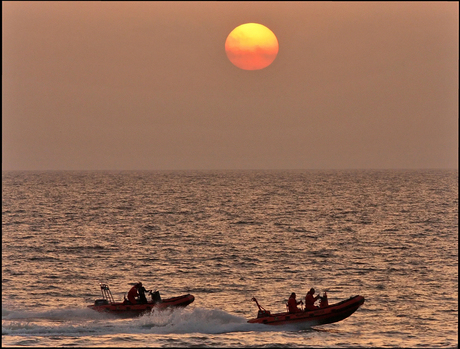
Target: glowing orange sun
251	46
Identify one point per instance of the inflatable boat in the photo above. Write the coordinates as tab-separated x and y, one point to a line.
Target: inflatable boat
320	316
126	309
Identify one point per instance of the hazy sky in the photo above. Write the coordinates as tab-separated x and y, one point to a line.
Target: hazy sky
148	86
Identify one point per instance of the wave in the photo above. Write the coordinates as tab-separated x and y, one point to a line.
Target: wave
68	314
82	322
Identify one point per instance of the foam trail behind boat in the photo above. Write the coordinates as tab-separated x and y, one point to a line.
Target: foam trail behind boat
85	322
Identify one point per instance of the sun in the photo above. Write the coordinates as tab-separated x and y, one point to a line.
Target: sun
251	46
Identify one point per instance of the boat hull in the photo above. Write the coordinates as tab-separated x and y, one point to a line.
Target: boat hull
132	310
326	315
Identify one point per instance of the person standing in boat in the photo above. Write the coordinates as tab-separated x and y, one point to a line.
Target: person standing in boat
292	303
141	290
310	300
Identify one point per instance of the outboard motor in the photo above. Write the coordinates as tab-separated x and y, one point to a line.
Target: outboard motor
263	313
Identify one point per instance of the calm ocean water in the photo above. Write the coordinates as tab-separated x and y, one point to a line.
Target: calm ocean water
226	236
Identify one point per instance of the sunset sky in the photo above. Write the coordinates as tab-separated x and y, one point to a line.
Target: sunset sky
148	86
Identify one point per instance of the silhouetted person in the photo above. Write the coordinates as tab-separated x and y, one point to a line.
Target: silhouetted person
310	300
132	294
141	290
323	302
292	304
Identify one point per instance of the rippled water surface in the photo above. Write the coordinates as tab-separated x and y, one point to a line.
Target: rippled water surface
390	236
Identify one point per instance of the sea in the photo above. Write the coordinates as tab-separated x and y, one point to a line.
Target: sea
225	237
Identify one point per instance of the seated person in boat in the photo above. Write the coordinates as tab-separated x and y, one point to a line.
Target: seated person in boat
310	300
132	294
323	302
292	304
